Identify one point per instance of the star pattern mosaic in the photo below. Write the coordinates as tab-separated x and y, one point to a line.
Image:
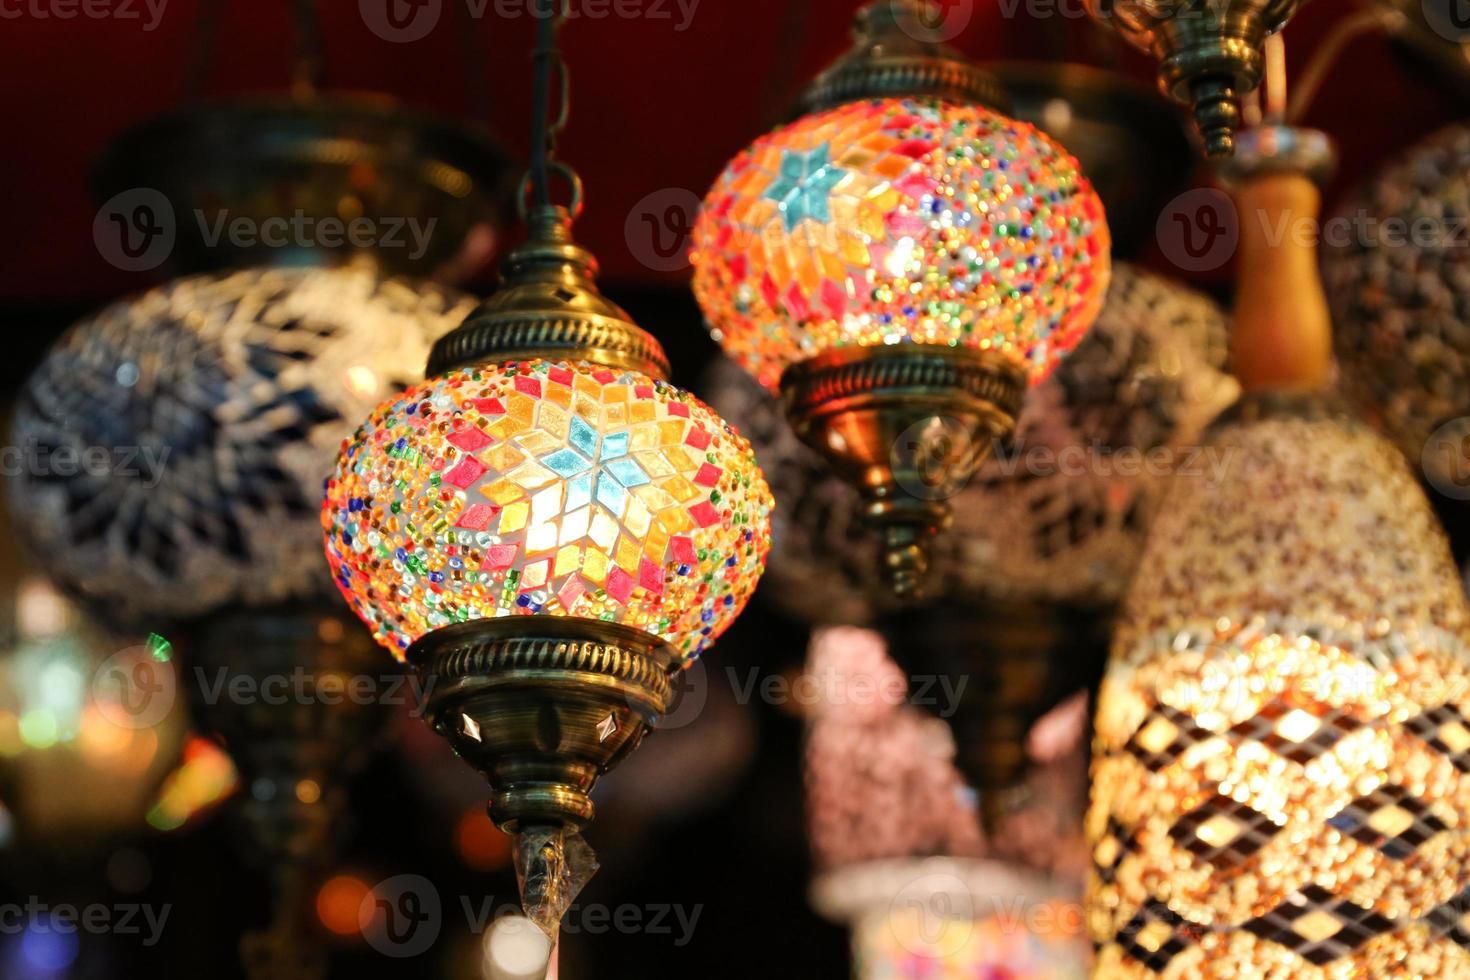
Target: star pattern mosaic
900	220
1278	784
551	488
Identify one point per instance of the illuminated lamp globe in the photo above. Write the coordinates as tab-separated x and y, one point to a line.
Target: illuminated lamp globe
546	530
902	262
185	433
1281	778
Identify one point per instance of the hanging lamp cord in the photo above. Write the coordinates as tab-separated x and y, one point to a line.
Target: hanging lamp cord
549	72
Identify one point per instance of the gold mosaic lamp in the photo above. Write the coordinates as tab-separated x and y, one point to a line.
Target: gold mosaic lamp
546	530
1281	780
901	262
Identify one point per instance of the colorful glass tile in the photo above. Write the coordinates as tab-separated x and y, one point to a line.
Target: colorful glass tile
900	220
422	532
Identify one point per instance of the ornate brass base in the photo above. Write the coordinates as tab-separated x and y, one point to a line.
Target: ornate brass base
908	425
543	706
1209	54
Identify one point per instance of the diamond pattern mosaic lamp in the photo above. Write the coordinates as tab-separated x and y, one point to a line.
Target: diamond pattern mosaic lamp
1280	785
902	262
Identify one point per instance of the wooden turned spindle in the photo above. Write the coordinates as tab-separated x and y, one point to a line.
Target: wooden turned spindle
1282	338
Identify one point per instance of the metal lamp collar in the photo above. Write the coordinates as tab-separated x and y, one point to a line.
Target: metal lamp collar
1278	148
898	52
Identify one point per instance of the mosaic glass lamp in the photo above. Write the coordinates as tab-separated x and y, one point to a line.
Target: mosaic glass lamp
1060	514
546	529
182	435
1279	781
1400	305
902	262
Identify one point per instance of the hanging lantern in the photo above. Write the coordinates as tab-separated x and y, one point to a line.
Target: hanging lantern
1400	303
902	262
213	407
1208	59
1060	514
201	418
546	530
1277	784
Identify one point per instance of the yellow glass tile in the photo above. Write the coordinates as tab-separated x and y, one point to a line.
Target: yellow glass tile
1297	725
585	384
855	158
832	267
504	457
614	394
654	464
503	491
680	489
1391	821
1455	735
539	443
1218	831
655	498
680	459
676	520
560	394
520	407
506	427
513	518
671	432
1157	735
656	543
644	438
626	555
1106	852
1316	926
807	275
1154	935
568	559
642	411
615	416
852	248
594	567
